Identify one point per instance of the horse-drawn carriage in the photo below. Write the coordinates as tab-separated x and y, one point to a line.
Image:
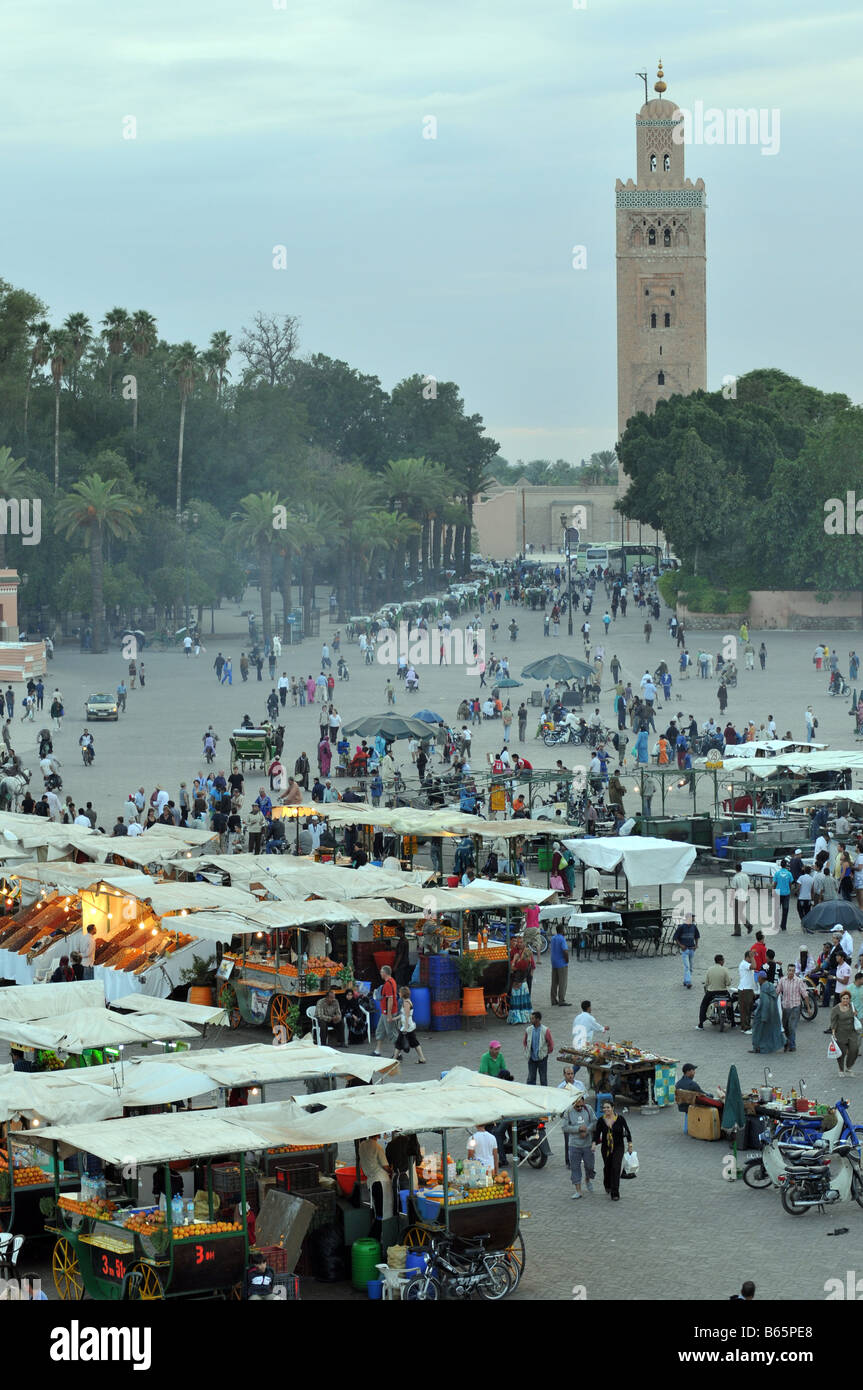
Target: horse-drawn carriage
252	748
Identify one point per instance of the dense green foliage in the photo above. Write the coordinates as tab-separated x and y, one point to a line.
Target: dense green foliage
367	489
740	484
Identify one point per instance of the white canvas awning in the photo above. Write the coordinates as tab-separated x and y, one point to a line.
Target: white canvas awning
645	860
201	1014
821	798
261	1063
462	1100
29	1002
84	1028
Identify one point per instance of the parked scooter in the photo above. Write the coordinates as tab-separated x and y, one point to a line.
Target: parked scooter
532	1144
778	1154
721	1010
804	1185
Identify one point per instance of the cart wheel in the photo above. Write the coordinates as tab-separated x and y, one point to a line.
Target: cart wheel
279	1005
150	1286
514	1256
67	1271
416	1237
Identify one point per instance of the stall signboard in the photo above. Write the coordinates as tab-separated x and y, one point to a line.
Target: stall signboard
259	1002
207	1263
226	965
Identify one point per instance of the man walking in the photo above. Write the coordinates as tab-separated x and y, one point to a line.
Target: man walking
791	991
522	721
218	666
578	1126
559	967
782	880
740	888
687	937
388	1028
537	1045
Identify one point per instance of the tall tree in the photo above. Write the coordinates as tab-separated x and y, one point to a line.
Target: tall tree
61	357
185	366
254	526
218	354
93	509
40	350
115	330
268	347
79	331
13	478
143	337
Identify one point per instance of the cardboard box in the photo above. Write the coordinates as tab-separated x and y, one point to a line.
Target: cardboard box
703	1122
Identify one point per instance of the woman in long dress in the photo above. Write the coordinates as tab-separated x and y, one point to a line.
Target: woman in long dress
521	963
767	1034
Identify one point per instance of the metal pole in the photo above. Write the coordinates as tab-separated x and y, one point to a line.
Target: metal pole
569	582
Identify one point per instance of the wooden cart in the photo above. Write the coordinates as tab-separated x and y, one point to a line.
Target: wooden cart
253	747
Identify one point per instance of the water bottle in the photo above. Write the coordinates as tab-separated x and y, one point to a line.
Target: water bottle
177	1211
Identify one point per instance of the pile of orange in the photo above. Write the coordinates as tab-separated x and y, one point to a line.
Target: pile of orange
490	953
210	1229
146	1225
481	1194
293	1148
26	1177
99	1207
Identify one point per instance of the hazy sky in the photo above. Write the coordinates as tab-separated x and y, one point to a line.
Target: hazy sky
303	126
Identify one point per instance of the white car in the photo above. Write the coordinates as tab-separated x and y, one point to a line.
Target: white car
101	707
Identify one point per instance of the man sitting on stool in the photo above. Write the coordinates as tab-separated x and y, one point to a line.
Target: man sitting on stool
329	1017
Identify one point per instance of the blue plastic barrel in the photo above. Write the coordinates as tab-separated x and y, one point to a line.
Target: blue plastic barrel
421	1000
721	846
375	1288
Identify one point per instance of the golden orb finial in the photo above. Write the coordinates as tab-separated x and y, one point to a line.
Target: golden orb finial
659	85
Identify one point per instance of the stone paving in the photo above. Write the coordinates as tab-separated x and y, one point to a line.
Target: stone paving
681	1231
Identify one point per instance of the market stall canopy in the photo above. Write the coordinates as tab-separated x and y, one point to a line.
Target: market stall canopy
99	1093
644	859
481	894
770	748
557	667
51	840
412	820
29	1002
814	799
84	1028
462	1100
834	761
221	926
67	877
201	1014
388	726
300	877
260	1063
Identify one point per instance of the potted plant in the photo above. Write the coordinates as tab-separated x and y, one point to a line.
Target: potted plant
471	970
200	976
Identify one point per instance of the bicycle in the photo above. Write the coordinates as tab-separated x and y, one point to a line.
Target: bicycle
459	1267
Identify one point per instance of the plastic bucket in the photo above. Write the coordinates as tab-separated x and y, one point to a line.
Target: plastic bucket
365	1258
473	1002
416	1262
375	1288
346	1179
421	1000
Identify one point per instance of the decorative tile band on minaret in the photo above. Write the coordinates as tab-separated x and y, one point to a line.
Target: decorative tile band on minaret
661	267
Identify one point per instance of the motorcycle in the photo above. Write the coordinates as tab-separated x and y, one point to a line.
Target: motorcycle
838	685
87	754
766	1170
344	673
560	733
813	1184
209	753
720	1012
53	782
458	1268
531	1143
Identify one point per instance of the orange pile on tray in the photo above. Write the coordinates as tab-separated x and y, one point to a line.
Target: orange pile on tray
320	965
501	1188
490	953
293	1148
99	1207
207	1229
27	1177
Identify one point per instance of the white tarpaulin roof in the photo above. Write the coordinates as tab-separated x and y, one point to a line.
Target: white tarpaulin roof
645	859
67	877
462	1100
98	1093
160	844
815	798
769	748
261	1063
300	877
29	1002
172	1008
480	894
83	1028
412	820
833	761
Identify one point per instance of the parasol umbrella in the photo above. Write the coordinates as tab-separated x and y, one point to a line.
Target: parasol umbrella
733	1114
508	683
428	716
838	913
388	726
557	668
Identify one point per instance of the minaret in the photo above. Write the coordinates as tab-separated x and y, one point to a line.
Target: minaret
661	268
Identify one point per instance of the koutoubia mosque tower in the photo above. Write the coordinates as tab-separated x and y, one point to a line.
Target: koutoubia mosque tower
661	267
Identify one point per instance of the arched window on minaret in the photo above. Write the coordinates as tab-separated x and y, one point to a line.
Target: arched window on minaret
667	320
666	237
651	236
660	380
653	164
666	162
653	320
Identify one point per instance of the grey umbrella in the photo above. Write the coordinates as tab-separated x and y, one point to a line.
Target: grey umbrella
837	913
507	683
389	726
557	668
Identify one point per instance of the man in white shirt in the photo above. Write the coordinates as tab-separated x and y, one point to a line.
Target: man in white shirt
771	726
842	939
842	827
804	893
82	820
740	888
483	1147
330	793
584	1025
88	952
162	800
591	882
130	810
135	828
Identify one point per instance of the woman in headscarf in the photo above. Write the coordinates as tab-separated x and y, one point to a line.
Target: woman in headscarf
642	754
521	969
767	1034
63	974
325	757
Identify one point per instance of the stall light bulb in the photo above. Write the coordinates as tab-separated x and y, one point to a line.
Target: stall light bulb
254	1090
260	933
34	1124
154	932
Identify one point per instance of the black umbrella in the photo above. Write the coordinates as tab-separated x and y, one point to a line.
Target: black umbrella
557	668
838	913
389	726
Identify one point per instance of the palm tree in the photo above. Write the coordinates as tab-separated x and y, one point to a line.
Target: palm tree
354	497
473	476
253	526
379	540
61	353
115	331
143	337
80	332
13	477
40	350
219	354
185	365
93	507
311	526
405	481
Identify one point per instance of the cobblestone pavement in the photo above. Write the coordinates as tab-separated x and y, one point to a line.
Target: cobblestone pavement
681	1231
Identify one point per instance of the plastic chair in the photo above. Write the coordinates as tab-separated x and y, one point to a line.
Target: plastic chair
316	1027
10	1249
393	1281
